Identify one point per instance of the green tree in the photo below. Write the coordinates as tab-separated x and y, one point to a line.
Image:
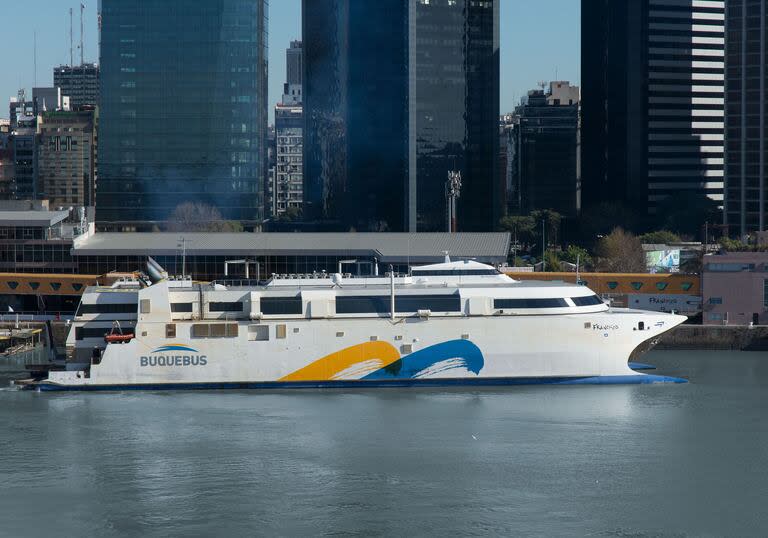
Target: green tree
551	261
620	252
660	237
522	228
574	253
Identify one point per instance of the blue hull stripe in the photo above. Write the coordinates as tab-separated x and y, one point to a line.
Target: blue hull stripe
641	366
640	379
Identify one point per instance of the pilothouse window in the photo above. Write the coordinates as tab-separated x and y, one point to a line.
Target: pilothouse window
591	300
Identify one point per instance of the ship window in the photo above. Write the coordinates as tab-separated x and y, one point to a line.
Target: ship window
77	287
273	306
686	285
200	330
612	285
661	286
280	331
34	285
170	330
590	300
380	304
106	308
181	307
13	285
259	333
55	286
641	326
225	307
218	330
556	302
636	285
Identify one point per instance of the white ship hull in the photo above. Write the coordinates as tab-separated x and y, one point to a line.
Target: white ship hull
482	350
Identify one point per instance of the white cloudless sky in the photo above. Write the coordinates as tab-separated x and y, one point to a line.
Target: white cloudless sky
540	41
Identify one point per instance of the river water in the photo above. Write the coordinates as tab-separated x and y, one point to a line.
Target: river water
659	460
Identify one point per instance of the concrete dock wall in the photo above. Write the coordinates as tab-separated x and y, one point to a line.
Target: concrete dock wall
716	337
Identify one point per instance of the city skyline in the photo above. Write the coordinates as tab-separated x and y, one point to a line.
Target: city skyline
556	42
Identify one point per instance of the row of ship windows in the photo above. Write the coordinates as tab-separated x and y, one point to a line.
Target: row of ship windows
351	305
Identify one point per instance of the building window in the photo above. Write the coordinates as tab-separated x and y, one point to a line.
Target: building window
715	316
765	293
715	300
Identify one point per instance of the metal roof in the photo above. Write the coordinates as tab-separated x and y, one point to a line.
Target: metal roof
32	218
387	247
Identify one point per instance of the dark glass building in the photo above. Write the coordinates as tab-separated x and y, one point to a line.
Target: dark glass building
183	109
396	95
746	207
543	134
652	101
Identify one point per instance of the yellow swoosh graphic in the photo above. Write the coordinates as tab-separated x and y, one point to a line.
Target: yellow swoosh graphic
329	366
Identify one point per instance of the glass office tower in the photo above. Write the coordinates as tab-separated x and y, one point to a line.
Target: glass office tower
183	109
396	95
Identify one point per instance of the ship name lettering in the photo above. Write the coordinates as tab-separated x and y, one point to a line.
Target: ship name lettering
174	360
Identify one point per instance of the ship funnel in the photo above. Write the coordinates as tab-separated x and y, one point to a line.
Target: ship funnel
155	271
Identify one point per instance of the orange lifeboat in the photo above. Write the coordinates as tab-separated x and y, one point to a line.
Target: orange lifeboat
116	335
118	338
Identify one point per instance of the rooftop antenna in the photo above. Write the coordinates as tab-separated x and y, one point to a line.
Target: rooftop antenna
34	61
82	8
71	49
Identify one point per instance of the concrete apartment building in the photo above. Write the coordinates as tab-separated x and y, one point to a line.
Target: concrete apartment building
735	288
66	157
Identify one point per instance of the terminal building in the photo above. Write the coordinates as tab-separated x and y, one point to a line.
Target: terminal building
256	256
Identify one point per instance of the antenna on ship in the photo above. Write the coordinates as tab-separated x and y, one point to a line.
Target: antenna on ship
392	292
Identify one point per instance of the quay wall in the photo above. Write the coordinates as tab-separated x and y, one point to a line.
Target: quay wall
716	337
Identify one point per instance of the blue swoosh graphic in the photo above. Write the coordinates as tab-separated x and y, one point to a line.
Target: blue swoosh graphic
453	354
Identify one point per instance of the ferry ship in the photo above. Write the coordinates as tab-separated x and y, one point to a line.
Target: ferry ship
451	323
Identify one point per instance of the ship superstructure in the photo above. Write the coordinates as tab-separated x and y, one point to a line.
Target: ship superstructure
458	322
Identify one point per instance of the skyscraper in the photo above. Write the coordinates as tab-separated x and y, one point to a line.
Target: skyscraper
397	95
183	109
652	100
544	139
66	157
79	82
746	207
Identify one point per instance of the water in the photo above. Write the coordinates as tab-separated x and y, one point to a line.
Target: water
663	460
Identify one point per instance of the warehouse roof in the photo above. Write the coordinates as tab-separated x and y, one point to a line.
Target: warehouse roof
32	218
415	247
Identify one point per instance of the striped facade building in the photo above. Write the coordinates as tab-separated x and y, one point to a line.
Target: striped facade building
686	98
